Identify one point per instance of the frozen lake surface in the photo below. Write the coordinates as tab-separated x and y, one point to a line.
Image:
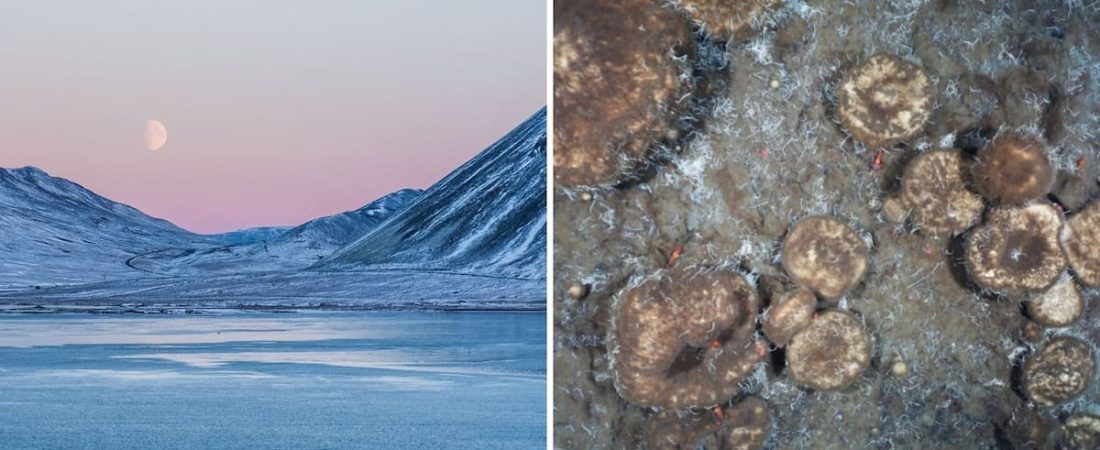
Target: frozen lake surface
307	380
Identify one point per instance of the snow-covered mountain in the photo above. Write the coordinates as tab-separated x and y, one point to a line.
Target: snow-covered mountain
488	216
289	249
55	231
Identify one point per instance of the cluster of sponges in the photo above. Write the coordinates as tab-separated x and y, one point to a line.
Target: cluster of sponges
826	349
684	339
619	86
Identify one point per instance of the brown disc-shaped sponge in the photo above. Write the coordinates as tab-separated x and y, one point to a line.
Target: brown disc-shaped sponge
885	100
829	353
684	339
790	313
825	255
1059	306
1081	432
727	19
619	86
1081	242
1013	169
934	188
1059	372
1017	251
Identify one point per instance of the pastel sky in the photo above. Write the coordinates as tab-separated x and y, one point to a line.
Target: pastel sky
277	111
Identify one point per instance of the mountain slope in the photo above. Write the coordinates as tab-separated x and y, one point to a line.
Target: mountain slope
55	231
487	216
290	249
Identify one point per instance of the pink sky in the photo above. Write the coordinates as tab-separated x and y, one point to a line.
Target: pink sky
277	112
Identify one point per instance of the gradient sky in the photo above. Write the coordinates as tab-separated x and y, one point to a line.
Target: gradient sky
277	111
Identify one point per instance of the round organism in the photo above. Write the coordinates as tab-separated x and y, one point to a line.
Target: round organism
1059	372
684	339
790	313
1081	242
934	189
1017	251
1059	306
1081	432
619	86
727	19
1013	169
895	210
830	353
885	100
825	255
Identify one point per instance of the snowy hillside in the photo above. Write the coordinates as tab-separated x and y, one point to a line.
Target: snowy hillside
488	216
290	249
55	231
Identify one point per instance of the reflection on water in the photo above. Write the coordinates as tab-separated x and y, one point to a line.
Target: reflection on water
261	381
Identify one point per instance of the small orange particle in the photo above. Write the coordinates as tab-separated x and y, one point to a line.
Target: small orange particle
679	249
715	344
761	350
719	413
928	250
1081	165
763	153
876	163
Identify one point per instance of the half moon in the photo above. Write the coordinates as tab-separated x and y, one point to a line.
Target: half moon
155	135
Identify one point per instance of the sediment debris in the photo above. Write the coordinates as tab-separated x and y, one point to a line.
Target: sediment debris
684	339
885	100
620	82
1017	251
934	189
1059	372
1081	242
830	353
1081	432
825	255
1013	169
744	426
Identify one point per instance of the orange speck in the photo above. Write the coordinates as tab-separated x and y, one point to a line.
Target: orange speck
715	344
761	350
719	413
763	153
928	250
1081	165
679	249
876	163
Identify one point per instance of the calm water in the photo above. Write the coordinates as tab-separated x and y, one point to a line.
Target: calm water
346	380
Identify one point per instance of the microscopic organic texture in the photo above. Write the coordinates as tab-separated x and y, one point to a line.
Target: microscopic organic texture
935	191
620	80
684	339
727	19
830	353
1017	250
825	255
1081	241
1081	432
885	100
1059	372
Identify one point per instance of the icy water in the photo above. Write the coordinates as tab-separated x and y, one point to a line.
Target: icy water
273	381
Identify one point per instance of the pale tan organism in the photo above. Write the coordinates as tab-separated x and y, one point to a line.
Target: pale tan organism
885	100
790	313
1081	432
825	255
1081	242
1059	372
1016	252
830	353
1059	306
934	189
727	20
684	339
620	82
1013	169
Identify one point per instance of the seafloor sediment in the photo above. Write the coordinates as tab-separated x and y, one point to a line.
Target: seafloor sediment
762	147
